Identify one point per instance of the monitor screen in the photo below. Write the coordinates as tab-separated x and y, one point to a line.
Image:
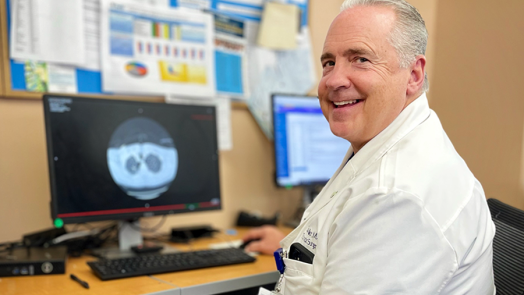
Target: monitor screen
116	160
306	152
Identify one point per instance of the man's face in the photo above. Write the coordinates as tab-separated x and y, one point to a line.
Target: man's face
362	89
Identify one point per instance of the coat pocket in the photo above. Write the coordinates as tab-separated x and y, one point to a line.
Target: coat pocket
298	278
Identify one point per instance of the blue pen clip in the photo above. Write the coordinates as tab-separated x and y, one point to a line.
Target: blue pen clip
279	259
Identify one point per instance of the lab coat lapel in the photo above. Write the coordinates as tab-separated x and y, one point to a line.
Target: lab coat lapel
324	197
343	174
411	117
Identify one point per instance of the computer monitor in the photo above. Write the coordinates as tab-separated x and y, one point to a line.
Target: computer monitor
121	160
306	151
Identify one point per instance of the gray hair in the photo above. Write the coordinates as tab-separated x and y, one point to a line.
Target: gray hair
409	36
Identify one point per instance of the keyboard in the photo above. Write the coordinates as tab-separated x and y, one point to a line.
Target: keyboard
147	264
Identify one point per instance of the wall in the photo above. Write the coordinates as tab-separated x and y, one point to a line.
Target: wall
428	10
321	14
477	90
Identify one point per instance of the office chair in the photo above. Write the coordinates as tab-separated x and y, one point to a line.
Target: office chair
508	248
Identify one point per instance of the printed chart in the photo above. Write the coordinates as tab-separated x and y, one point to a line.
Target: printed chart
148	50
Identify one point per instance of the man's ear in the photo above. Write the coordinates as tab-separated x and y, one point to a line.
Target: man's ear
416	79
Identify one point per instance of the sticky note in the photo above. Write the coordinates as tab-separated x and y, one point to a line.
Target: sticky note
279	26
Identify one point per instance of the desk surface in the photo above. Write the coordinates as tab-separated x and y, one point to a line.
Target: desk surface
195	281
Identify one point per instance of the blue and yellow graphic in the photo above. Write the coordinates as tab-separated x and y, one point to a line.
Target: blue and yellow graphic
182	72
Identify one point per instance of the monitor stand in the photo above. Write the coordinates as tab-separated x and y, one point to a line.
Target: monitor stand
310	192
128	235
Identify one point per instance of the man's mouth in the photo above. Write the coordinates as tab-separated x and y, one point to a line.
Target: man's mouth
346	103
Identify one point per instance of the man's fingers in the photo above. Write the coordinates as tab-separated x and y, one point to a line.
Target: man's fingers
252	234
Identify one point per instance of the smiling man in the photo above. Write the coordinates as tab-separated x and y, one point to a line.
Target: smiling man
365	83
403	214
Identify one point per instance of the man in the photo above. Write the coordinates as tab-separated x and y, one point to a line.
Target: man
403	214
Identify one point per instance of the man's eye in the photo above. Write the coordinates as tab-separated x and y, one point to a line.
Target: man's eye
362	59
328	64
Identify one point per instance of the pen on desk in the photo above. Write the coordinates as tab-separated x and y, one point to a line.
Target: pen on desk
83	283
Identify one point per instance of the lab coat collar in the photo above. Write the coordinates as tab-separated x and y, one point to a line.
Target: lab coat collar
412	116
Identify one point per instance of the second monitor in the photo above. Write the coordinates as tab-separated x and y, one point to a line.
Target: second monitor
306	151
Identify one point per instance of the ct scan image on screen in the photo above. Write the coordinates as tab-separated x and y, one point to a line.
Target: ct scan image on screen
112	159
142	158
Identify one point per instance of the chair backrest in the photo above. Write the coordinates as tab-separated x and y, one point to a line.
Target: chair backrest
508	248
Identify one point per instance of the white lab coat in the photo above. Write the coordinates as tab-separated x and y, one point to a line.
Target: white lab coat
404	216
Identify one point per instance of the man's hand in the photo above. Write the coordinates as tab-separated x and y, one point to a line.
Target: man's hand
268	237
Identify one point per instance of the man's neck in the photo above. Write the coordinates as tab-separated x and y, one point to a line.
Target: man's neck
409	100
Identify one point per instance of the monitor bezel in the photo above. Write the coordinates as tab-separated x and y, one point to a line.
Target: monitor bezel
117	216
312	184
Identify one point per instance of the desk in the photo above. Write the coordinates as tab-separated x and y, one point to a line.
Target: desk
201	281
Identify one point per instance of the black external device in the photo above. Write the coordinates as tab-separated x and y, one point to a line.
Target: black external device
41	238
298	252
147	247
185	234
30	261
247	219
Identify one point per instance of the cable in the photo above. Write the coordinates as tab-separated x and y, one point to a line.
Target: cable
105	234
151	229
7	244
164	238
85	224
10	246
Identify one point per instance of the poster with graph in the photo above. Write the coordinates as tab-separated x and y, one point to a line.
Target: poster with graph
152	50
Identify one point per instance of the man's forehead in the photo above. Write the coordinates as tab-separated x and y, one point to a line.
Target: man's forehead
364	27
364	19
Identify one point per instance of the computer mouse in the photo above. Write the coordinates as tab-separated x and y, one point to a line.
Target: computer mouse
244	245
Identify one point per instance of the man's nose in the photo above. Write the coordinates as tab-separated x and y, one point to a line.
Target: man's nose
338	78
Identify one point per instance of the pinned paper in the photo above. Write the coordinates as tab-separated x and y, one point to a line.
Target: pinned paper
32	24
62	79
48	77
36	78
279	26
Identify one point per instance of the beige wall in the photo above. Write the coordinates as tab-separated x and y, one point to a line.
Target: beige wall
428	10
477	90
321	13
